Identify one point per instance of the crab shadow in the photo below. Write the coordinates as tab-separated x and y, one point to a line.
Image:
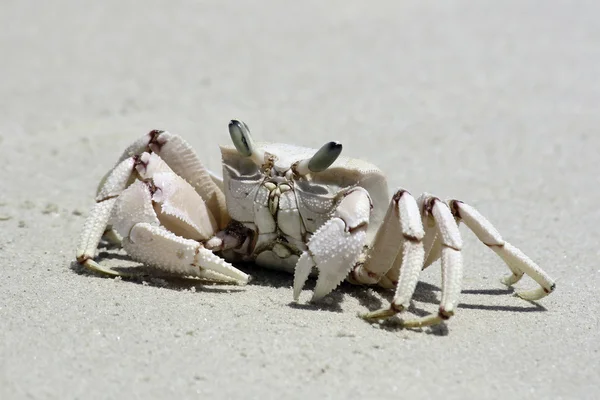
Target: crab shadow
371	298
281	279
427	293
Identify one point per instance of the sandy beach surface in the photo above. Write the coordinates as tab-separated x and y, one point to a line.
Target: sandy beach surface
494	103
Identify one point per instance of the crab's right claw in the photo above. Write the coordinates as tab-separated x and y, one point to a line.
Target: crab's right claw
336	246
164	223
304	267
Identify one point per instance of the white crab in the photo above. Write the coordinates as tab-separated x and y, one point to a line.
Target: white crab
290	208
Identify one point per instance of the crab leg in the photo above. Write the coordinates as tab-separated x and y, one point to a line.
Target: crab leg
452	268
401	229
446	233
95	225
335	246
514	258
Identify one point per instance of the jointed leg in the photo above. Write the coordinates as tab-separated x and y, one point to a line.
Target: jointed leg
398	251
514	258
444	241
432	211
95	225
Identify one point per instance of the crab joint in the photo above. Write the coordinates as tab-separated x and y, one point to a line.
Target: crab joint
321	160
242	140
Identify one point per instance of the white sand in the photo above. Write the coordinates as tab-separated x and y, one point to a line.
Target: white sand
496	105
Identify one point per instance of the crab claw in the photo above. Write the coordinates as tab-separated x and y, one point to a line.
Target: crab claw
303	269
164	223
336	246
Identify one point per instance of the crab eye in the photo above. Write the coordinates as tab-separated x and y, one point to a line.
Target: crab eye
325	156
322	159
240	136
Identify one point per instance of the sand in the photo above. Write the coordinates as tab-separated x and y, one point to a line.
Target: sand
495	103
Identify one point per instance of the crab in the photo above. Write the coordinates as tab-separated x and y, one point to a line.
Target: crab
289	208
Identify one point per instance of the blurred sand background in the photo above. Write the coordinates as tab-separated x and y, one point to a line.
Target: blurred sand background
495	103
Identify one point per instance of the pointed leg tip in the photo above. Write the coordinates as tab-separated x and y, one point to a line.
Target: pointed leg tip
511	279
422	322
536	294
382	314
101	270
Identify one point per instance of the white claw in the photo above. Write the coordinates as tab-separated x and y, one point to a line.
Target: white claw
162	222
154	245
207	259
303	269
335	252
134	206
336	246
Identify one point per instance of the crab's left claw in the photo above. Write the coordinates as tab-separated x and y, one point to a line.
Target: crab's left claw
336	246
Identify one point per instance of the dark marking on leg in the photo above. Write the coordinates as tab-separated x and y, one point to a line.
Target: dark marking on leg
137	160
412	239
83	258
445	315
397	308
371	274
155	144
151	186
396	197
455	208
354	228
494	245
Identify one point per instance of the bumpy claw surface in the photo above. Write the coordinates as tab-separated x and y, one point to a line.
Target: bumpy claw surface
336	246
163	220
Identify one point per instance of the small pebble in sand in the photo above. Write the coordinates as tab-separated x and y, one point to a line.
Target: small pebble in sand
51	208
28	205
5	217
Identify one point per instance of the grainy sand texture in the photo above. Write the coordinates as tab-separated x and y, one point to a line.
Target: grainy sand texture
494	103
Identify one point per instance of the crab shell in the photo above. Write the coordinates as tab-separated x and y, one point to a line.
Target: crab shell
284	209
